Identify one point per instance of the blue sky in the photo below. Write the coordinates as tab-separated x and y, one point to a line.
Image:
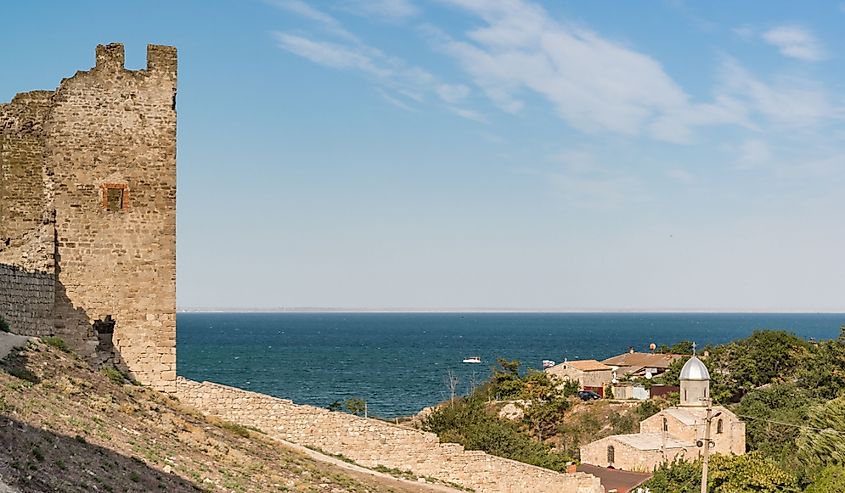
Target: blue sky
487	153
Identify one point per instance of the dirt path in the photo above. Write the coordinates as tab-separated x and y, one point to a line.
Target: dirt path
364	473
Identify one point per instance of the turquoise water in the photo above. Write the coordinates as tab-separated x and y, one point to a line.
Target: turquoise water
398	361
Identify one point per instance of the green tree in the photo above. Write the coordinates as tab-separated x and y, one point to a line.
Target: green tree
771	415
676	477
539	385
822	372
749	473
469	423
506	382
822	441
648	408
542	418
570	388
829	479
356	406
683	347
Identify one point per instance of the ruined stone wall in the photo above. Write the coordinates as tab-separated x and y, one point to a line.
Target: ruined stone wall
112	128
26	300
372	442
62	154
23	191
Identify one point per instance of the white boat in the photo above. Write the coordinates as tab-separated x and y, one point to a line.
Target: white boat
547	363
473	359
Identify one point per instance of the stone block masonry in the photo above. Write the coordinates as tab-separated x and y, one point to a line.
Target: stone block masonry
26	300
371	442
88	199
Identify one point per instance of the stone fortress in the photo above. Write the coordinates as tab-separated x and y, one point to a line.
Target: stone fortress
88	213
88	254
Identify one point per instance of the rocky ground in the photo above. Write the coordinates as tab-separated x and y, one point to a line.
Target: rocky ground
65	427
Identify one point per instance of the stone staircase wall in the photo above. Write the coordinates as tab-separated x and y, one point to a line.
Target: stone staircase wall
372	442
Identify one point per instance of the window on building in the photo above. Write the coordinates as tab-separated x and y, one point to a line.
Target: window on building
115	197
665	424
719	426
611	454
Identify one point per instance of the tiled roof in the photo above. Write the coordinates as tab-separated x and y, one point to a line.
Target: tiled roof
614	479
650	441
650	360
583	365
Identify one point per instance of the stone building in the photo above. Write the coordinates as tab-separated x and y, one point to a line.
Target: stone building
88	213
674	433
589	373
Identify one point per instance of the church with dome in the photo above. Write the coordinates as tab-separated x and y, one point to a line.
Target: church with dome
674	433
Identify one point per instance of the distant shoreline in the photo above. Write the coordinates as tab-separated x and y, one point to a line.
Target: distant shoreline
317	310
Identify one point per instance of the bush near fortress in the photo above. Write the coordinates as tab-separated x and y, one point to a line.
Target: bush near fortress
4	326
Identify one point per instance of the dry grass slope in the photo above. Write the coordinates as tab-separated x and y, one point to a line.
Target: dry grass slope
65	427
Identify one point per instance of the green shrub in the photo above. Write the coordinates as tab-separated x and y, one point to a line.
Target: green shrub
468	423
831	478
57	343
236	428
114	375
4	326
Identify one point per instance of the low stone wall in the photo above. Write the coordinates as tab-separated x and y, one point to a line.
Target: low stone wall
26	300
371	442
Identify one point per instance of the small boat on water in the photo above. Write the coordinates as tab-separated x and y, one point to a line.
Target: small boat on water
473	359
547	363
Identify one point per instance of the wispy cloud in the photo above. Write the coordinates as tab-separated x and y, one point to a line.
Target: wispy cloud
331	54
327	22
745	31
795	42
595	84
452	93
395	102
349	52
468	114
389	10
789	102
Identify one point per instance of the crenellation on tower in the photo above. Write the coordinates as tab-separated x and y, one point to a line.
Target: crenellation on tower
88	213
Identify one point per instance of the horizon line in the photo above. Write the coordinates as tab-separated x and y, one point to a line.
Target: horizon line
306	309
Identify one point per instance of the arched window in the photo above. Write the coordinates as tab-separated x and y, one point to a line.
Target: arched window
719	426
665	424
611	454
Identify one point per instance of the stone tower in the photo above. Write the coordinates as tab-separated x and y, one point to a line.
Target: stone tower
695	384
88	213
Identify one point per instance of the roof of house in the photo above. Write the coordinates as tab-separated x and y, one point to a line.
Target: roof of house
694	415
614	479
650	441
583	365
635	359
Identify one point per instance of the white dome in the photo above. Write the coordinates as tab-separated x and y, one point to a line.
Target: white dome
694	369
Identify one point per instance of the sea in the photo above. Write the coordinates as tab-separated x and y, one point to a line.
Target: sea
400	362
